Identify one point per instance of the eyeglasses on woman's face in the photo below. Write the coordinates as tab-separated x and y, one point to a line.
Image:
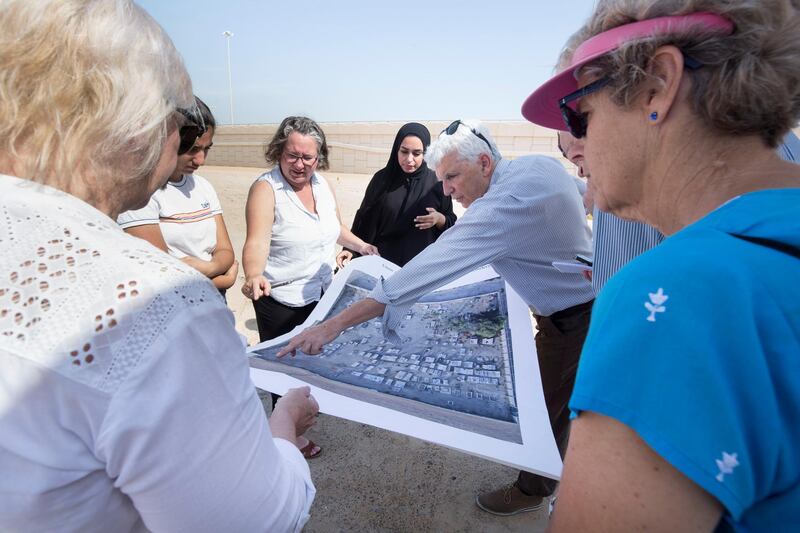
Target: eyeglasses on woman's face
576	121
292	158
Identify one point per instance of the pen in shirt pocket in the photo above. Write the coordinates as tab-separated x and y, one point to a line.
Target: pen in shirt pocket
282	283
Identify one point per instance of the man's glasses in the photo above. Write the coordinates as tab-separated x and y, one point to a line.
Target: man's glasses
453	127
193	128
307	160
576	121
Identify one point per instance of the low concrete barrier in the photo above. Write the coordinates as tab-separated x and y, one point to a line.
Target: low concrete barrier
363	147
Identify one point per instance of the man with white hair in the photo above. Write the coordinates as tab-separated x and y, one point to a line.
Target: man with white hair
523	215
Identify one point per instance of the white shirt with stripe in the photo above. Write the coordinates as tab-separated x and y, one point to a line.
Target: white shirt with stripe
184	211
530	216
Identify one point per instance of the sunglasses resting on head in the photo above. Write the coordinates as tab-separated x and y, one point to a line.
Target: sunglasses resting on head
453	127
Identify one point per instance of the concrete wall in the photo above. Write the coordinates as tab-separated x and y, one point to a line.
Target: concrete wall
363	147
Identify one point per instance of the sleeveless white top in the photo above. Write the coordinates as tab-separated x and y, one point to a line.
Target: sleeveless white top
302	245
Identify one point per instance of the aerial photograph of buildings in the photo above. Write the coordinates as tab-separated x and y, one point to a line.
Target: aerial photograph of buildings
453	366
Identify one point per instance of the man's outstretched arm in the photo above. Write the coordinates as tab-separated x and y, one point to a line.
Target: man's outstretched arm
314	338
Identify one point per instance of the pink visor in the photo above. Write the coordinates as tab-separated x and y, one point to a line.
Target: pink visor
541	107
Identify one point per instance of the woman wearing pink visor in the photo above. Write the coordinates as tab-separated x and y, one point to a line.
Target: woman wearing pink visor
687	399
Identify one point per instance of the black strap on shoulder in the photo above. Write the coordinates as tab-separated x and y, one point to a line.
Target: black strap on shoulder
770	243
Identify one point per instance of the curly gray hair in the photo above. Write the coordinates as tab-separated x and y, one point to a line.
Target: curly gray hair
303	126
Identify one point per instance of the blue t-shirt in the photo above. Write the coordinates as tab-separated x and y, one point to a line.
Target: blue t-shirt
696	346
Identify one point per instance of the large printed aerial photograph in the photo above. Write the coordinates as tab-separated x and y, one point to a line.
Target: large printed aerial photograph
453	364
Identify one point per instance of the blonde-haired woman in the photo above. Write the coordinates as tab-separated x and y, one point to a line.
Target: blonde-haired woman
125	399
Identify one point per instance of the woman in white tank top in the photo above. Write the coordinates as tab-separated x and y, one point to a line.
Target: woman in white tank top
293	226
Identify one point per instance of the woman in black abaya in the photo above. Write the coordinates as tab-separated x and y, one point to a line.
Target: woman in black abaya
404	207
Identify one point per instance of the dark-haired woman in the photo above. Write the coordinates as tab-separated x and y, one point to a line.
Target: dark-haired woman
184	217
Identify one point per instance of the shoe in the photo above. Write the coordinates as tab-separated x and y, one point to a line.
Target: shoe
508	501
310	450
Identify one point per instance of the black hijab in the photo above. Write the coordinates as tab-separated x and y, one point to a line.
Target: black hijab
394	198
393	171
392	176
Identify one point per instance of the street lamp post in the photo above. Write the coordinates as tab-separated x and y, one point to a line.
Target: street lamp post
228	35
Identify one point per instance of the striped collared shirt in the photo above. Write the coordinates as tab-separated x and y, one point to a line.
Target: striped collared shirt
530	216
616	242
790	149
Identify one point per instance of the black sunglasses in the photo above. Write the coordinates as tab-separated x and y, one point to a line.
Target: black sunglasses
193	128
453	127
576	121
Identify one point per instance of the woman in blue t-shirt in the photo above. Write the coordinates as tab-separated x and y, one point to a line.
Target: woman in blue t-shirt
687	399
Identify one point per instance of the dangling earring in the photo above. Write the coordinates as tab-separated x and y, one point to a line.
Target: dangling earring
654	116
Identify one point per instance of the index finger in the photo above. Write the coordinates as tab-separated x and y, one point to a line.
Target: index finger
256	291
290	347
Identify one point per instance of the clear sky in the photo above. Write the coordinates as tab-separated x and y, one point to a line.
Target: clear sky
369	60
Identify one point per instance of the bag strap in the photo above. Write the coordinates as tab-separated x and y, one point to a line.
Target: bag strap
770	243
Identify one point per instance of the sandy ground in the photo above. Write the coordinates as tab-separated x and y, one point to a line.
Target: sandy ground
369	479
